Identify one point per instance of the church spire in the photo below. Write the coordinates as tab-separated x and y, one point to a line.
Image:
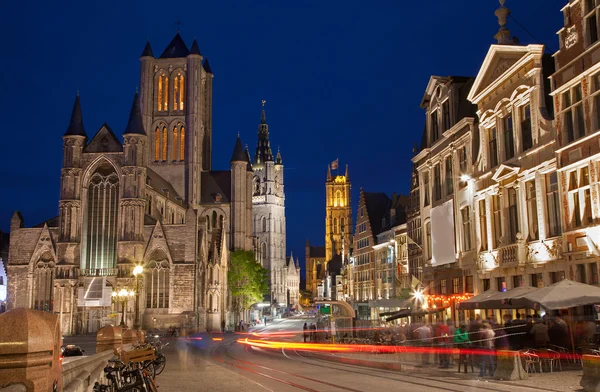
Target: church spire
278	160
238	151
135	125
147	50
263	147
76	123
347	173
503	35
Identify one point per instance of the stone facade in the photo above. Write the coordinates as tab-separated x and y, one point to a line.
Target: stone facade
152	200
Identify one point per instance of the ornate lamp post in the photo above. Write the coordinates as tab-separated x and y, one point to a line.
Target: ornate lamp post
122	296
137	272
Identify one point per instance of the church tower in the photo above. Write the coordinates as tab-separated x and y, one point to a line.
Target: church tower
268	202
176	106
338	215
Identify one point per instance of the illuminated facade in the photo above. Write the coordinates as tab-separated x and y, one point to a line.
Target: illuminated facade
151	200
338	215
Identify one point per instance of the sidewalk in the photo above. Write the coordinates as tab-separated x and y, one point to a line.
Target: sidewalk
557	381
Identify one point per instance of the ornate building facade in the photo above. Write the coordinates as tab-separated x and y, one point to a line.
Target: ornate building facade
151	200
269	225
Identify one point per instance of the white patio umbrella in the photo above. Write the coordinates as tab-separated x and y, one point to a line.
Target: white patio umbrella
473	302
560	295
503	300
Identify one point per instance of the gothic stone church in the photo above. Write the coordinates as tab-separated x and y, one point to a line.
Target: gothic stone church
153	200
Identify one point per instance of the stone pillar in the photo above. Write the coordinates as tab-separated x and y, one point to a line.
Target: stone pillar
129	336
32	357
109	338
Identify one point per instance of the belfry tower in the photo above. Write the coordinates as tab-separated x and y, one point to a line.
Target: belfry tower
338	215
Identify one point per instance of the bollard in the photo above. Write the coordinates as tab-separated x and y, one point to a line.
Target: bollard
129	336
109	338
509	366
30	350
141	336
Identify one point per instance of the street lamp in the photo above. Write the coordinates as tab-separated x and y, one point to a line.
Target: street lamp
122	296
137	272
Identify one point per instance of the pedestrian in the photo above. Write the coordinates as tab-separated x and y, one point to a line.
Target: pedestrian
265	318
313	333
442	332
540	334
305	331
487	346
241	325
223	326
461	341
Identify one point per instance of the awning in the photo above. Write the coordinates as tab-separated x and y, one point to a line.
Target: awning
473	302
391	303
410	313
501	300
560	295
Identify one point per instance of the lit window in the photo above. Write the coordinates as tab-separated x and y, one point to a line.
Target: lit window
164	144
483	225
175	143
178	92
157	283
553	204
182	143
579	197
497	219
532	214
163	93
157	144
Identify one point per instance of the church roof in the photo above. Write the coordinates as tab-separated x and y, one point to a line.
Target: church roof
377	204
316	251
76	123
135	125
176	49
206	66
147	50
162	186
52	222
215	183
238	152
105	140
334	266
195	49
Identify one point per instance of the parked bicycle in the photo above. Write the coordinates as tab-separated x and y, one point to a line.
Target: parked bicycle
132	377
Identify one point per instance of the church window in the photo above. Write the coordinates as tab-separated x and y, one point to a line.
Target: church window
264	224
221	219
175	143
335	227
157	144
163	93
214	219
207	223
210	302
102	212
342	227
43	278
182	143
263	253
178	92
338	197
164	144
157	283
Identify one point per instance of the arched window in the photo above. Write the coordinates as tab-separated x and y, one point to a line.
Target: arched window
263	223
157	144
102	212
43	282
338	199
207	223
221	219
342	227
157	282
164	144
335	226
175	143
163	93
214	219
182	143
178	91
263	253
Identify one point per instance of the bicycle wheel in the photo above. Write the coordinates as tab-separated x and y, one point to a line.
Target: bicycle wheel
149	366
159	364
151	385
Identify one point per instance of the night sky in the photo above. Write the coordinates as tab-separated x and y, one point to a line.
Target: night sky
342	79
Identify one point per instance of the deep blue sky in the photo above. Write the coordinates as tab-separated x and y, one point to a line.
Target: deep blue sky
342	79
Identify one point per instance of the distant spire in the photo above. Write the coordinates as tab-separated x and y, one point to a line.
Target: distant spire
76	123
263	147
503	35
206	66
195	49
347	173
328	172
135	125
263	117
278	160
249	166
238	152
147	50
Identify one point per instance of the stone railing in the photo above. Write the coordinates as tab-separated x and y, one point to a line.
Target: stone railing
99	272
82	373
508	255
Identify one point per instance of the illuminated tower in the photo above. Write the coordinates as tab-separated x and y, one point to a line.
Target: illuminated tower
338	215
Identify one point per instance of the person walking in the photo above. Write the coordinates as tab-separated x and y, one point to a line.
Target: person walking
265	318
223	326
305	331
313	333
487	346
461	340
539	330
442	332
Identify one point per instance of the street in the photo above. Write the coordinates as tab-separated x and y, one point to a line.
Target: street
226	365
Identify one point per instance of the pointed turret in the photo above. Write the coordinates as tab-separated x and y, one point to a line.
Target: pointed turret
135	125
278	160
206	66
328	172
195	49
76	123
147	50
176	49
238	152
249	165
263	147
347	175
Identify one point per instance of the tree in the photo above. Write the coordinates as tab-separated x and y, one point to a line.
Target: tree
247	279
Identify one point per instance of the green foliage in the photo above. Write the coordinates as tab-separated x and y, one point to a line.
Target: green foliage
247	279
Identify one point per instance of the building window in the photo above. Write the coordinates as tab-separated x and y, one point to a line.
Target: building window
443	288
43	278
579	197
513	214
428	233
537	280
425	190
335	226
517	281
182	143
493	147
573	113
496	219
526	135
466	221
557	276
532	214
596	99
456	289
175	144
164	144
594	272
501	283
163	93
483	225
469	284
485	284
509	138
591	22
433	123
446	115
449	179
157	285
157	144
581	273
462	163
552	205
263	223
178	92
437	183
